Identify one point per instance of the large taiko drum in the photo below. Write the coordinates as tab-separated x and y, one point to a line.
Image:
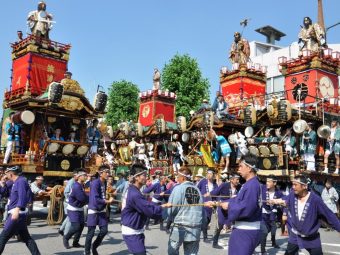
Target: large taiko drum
68	149
24	117
254	150
275	149
52	148
100	101
264	150
82	150
55	92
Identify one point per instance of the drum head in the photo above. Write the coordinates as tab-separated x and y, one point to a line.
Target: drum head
198	161
264	150
67	149
191	161
299	126
82	150
248	132
275	149
27	117
185	137
254	150
232	138
53	147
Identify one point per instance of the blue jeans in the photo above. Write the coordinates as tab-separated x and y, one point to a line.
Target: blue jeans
190	248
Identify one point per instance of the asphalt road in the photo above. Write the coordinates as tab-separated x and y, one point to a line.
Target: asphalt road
50	242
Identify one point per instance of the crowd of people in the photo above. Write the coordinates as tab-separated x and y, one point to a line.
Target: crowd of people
186	203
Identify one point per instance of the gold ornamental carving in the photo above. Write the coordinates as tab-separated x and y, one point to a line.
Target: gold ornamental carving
65	164
72	86
71	103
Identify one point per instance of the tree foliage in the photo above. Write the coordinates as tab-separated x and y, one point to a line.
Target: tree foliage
183	76
122	103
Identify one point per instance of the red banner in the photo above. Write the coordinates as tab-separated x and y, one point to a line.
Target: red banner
165	110
40	71
146	112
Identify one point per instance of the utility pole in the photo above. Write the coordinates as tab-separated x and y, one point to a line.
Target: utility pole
321	20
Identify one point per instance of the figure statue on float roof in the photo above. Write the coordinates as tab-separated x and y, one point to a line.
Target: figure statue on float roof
156	79
40	21
240	50
311	36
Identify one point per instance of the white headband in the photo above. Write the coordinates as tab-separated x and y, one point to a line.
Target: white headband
187	176
139	174
249	165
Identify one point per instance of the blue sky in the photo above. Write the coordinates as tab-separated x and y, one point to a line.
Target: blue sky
113	40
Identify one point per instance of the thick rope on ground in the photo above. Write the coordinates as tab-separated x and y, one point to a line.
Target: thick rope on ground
56	206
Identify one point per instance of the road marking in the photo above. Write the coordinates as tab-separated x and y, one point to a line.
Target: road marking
332	244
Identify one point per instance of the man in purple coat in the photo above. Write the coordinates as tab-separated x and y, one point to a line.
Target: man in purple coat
136	210
75	211
269	212
206	186
245	210
226	191
305	208
16	223
97	211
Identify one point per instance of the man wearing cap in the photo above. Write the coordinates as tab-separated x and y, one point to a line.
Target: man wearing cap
206	186
97	211
187	220
268	138
308	144
226	191
305	209
245	209
204	106
269	212
16	223
75	210
136	210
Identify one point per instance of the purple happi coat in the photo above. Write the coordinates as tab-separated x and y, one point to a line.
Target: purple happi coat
269	212
304	231
76	202
245	210
204	189
135	212
223	190
97	206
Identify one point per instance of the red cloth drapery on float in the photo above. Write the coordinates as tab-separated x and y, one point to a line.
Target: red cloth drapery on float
39	71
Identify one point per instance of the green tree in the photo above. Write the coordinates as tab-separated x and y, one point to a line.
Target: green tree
122	103
183	76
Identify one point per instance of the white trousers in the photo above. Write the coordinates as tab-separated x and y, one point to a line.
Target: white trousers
310	161
9	147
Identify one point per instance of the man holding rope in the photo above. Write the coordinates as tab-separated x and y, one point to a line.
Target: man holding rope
97	211
245	210
305	208
187	219
135	211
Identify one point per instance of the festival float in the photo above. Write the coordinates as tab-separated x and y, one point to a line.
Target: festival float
273	126
42	99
